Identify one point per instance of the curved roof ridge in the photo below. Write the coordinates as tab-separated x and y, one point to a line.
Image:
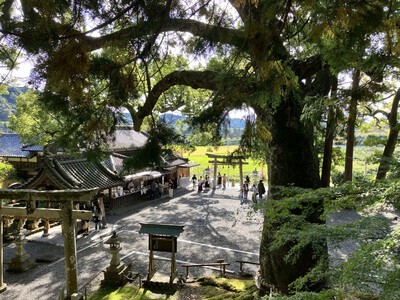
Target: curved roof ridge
62	175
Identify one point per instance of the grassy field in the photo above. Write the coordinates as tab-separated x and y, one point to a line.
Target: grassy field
363	164
232	172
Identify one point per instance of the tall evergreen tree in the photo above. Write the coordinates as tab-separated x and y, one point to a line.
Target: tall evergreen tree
92	58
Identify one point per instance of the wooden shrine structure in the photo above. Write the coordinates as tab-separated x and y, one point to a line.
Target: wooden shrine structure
219	159
162	237
66	214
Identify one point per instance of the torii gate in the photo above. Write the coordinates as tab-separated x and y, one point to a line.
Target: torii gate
227	160
66	214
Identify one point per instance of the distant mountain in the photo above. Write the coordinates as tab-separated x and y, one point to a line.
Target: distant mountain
8	101
235	123
171	119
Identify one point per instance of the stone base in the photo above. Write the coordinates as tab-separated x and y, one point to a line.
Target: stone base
20	264
115	275
3	287
76	296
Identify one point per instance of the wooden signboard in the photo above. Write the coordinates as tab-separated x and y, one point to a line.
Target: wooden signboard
163	243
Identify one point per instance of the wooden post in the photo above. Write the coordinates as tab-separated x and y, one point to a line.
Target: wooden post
173	260
152	268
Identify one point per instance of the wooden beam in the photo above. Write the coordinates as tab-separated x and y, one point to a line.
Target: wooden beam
52	195
228	163
230	157
44	213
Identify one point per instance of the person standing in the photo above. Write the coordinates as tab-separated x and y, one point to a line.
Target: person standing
261	189
219	182
241	196
245	190
100	218
200	185
160	189
97	217
194	181
131	186
171	188
153	189
224	182
206	182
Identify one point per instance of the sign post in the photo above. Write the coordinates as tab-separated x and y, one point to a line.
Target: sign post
162	237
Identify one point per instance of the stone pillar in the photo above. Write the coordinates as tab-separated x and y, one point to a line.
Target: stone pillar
240	174
46	228
215	174
3	286
69	234
21	224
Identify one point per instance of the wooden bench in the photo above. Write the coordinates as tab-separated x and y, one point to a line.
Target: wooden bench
242	262
220	263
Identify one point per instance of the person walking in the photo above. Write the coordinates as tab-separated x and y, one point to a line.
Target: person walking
261	189
219	182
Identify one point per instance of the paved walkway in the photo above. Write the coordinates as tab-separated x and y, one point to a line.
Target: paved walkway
216	227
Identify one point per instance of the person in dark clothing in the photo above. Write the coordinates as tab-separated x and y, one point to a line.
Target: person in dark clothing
261	189
153	188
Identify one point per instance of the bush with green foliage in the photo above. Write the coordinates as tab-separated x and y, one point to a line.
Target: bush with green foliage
373	269
6	170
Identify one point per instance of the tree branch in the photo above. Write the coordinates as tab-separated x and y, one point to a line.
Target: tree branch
210	80
211	33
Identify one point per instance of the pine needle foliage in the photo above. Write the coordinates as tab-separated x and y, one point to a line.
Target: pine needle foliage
373	268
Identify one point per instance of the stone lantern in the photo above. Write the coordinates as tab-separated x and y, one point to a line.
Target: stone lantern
255	176
116	271
115	247
22	260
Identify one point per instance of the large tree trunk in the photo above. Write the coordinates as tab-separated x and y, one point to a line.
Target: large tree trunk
292	160
351	124
328	143
328	148
391	142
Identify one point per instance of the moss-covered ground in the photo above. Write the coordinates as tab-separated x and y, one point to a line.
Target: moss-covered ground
203	288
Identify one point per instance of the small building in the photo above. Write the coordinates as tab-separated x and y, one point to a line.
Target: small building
53	169
12	151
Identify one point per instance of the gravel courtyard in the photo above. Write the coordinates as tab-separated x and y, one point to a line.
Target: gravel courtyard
216	227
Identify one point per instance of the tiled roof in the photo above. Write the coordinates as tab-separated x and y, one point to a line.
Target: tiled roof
89	174
171	159
74	173
32	148
10	146
125	138
114	162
